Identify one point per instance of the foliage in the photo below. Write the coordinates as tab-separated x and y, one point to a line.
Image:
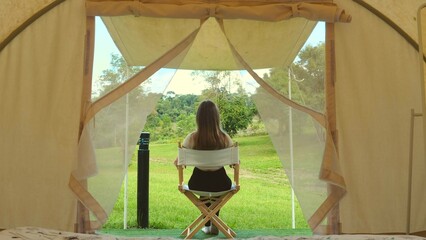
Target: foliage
174	116
237	111
111	121
236	108
114	76
310	68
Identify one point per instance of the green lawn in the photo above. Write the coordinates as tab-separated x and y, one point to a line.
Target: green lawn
264	201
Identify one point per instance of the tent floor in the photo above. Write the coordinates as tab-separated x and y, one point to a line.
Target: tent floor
132	234
249	233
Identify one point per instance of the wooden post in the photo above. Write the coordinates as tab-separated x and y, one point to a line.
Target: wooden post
83	217
330	80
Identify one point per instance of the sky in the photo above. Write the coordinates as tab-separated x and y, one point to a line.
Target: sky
104	47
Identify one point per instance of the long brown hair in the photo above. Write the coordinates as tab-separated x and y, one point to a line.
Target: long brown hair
209	135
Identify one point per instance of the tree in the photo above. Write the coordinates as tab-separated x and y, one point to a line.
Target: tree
237	112
114	76
111	122
310	67
174	117
236	109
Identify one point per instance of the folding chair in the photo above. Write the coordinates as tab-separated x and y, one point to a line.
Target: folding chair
208	158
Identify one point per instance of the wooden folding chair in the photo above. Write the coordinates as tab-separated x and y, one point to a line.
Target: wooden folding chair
208	158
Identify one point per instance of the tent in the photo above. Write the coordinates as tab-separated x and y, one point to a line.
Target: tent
371	171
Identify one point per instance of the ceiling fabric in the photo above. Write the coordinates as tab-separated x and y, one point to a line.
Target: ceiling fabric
210	51
253	26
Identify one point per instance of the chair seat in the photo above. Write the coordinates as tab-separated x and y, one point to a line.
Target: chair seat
209	194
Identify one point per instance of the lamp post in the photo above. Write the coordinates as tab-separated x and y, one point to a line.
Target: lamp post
290	123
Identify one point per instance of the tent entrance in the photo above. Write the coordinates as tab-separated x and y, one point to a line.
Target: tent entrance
182	54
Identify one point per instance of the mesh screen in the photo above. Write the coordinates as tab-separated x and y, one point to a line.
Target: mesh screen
299	142
115	133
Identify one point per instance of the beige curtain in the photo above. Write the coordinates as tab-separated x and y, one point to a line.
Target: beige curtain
374	95
40	78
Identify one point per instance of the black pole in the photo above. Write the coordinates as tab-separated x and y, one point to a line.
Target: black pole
143	180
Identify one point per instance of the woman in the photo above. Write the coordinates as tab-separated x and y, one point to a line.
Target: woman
209	136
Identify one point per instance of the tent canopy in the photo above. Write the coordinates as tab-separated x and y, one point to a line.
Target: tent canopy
373	163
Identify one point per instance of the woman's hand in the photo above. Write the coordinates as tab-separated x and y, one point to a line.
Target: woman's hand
176	163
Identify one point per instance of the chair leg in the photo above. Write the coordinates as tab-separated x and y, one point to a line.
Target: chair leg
208	214
198	223
218	222
192	225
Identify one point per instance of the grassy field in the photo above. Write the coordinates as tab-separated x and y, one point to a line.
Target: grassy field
264	201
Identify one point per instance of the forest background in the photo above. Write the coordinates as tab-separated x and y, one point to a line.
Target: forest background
174	114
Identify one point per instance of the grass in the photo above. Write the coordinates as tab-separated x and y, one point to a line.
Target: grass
264	201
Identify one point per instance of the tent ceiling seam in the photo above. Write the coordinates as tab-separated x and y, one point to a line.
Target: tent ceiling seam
28	22
391	23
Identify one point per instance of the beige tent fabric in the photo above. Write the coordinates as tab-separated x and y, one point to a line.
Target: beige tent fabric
374	96
209	50
421	26
40	78
131	33
203	10
375	93
292	34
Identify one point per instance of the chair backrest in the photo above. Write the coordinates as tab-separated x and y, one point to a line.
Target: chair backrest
208	158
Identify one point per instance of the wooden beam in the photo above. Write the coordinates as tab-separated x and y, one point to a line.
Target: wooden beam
330	80
83	218
89	52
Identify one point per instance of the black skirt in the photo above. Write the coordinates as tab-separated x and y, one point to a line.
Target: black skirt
209	181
